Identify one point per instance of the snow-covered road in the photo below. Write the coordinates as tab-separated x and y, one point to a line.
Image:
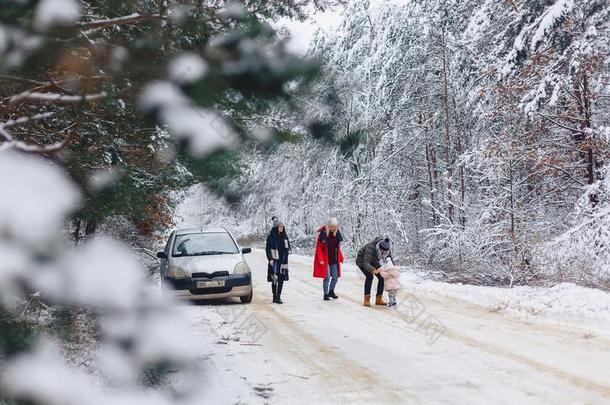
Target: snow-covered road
430	350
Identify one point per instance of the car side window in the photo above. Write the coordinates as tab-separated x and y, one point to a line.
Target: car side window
169	241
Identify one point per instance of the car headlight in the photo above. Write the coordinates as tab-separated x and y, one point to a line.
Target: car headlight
241	268
176	272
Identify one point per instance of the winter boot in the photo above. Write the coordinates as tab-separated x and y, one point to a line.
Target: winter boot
278	292
379	300
332	294
391	298
326	297
367	300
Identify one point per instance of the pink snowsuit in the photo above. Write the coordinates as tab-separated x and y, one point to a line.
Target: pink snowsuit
391	278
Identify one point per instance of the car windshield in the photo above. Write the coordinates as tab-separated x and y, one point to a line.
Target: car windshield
200	244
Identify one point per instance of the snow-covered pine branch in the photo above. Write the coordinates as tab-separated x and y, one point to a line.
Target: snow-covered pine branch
127	19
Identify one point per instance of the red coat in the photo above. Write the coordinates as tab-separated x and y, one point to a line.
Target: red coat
320	270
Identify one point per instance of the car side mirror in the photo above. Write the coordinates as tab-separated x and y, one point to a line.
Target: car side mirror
246	250
161	255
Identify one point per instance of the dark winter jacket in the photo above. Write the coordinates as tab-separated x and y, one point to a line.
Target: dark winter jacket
277	249
367	258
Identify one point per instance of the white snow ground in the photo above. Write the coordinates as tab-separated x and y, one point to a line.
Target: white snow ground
445	344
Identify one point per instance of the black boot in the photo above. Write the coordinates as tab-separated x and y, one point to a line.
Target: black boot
278	299
274	291
332	294
326	297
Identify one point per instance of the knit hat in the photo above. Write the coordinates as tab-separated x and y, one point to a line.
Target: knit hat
385	244
277	222
333	222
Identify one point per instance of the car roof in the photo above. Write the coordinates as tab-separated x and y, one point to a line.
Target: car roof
184	231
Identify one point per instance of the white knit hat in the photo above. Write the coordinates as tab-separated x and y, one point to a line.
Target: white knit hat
277	222
333	222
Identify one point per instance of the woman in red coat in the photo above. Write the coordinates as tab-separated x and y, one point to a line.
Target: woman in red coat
328	257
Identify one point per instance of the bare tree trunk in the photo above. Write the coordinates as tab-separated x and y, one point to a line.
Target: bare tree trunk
447	132
459	150
462	183
586	111
90	229
511	197
581	91
76	233
349	117
431	160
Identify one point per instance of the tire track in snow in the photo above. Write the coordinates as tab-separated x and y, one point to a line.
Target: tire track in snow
330	366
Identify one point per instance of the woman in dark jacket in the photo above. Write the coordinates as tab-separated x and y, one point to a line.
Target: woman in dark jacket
277	248
371	257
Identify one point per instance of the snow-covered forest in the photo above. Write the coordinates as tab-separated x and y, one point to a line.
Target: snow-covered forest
108	109
474	133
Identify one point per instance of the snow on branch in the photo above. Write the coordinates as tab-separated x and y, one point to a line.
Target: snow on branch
7	137
51	13
56	97
11	143
25	120
550	17
24	147
128	19
38	196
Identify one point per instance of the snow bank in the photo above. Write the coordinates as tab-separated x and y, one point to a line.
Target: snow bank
566	303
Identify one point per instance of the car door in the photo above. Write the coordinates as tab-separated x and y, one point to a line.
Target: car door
164	267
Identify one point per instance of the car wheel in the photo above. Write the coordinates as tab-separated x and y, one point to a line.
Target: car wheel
246	299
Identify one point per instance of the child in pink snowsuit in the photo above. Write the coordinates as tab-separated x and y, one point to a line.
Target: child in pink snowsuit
391	280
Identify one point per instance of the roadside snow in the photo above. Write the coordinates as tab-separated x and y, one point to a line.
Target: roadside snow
567	304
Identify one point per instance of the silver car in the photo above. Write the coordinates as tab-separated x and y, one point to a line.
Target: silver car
199	264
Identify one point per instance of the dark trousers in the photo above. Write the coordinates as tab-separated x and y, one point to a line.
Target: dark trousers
368	283
277	289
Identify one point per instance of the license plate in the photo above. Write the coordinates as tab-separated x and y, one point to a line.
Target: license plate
210	284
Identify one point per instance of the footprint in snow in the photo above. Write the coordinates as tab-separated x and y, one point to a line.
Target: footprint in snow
262	391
